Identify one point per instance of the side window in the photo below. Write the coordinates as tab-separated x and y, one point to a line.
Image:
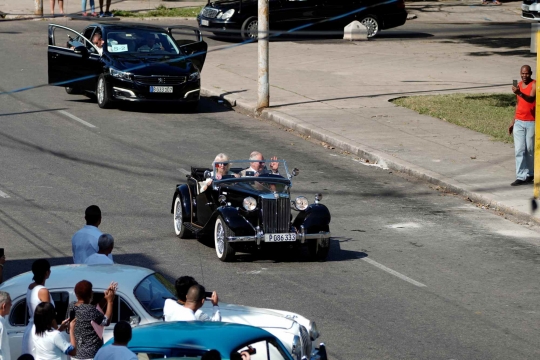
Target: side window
263	350
125	311
66	38
61	303
19	314
121	309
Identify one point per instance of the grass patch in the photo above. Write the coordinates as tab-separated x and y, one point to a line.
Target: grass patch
489	114
161	11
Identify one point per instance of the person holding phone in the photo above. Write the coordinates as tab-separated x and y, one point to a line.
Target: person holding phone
523	125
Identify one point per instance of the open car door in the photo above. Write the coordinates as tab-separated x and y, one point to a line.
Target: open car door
189	39
73	61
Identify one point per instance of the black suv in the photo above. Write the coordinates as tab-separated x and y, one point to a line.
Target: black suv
240	16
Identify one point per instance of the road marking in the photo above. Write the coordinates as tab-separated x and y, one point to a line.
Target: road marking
4	195
393	272
76	118
408	225
184	171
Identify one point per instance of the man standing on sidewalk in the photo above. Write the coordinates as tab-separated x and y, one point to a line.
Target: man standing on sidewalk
523	127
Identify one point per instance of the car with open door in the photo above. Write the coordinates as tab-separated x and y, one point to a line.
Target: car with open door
128	62
247	212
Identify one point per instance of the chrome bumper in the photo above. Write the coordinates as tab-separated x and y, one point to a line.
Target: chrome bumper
301	236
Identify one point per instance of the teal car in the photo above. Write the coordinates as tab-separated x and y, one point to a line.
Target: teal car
191	340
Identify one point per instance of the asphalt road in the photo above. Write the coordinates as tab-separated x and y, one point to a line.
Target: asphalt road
413	273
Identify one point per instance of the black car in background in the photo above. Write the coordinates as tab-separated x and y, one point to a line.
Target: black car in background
240	16
135	63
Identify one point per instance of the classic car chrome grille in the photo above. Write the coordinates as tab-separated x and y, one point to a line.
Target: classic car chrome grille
276	215
159	80
306	342
210	13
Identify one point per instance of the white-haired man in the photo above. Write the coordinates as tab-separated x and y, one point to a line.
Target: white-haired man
258	165
106	246
5	308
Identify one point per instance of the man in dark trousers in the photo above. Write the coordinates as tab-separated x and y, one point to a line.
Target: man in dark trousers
107	12
523	127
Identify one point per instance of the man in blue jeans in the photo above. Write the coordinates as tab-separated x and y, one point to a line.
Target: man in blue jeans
523	127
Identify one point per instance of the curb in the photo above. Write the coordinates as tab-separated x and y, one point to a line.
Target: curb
366	152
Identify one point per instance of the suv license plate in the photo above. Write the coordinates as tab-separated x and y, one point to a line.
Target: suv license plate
279	237
161	89
205	22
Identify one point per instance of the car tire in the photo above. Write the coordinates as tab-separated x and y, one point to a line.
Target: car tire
103	93
224	250
316	252
72	91
178	220
372	24
248	31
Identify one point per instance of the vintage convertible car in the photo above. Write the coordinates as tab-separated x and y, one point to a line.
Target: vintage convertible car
140	299
191	340
247	213
132	62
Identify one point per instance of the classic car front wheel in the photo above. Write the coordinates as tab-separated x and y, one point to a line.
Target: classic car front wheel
317	252
224	250
179	228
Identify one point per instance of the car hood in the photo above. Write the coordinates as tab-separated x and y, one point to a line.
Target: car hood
231	4
248	315
166	65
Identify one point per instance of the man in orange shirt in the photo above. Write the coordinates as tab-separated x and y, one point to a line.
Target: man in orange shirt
523	127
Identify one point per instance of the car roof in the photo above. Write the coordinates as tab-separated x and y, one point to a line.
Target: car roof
202	335
66	276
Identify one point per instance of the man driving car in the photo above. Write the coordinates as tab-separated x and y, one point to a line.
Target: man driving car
258	165
150	44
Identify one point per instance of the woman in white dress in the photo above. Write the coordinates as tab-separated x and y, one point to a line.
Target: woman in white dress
49	343
36	294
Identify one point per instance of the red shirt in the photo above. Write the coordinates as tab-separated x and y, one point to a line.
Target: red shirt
525	111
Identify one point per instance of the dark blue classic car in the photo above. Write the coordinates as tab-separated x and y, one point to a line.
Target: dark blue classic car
128	62
191	340
246	212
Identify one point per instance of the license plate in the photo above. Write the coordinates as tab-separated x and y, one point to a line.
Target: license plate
161	89
205	22
280	237
525	7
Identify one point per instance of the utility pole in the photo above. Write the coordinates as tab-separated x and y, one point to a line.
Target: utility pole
38	7
263	100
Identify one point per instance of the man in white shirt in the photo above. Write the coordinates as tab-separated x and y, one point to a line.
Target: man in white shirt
105	246
118	349
173	311
5	308
183	284
258	167
98	41
85	241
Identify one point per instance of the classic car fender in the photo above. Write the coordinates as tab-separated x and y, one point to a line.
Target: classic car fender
186	200
234	220
314	219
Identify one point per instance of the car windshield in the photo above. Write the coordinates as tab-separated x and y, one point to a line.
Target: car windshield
152	293
137	41
251	169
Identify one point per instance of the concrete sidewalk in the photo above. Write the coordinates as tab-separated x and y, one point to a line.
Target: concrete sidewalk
338	92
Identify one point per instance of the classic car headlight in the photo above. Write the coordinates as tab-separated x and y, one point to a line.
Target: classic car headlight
301	203
194	76
120	74
226	15
250	203
313	331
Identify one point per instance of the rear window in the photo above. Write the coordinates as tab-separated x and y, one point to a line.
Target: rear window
152	293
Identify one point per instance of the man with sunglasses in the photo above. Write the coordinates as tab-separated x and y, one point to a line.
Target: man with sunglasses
97	40
258	165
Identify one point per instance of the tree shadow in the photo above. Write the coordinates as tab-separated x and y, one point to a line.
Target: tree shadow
501	46
498	100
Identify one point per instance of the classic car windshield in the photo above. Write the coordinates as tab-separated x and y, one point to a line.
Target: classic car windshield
140	41
245	169
152	293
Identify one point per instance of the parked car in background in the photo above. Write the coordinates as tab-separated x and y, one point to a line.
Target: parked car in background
530	9
191	340
240	16
139	300
135	63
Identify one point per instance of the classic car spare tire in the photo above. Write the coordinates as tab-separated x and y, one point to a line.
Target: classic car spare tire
249	29
224	250
103	93
317	252
178	220
372	25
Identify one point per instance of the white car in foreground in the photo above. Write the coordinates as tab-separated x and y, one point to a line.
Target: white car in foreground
140	298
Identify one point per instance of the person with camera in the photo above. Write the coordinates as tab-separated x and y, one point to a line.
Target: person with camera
182	286
195	297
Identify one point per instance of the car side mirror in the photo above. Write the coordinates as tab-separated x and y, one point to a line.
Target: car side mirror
134	320
295	172
81	50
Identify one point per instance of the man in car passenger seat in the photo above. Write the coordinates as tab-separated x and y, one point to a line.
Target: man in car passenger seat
257	167
98	41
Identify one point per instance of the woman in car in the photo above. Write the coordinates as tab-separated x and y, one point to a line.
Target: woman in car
88	329
36	294
222	169
49	342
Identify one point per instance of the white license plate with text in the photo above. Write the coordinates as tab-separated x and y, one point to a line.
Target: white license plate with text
205	22
161	89
280	237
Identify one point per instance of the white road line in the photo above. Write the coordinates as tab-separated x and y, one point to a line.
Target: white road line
393	272
76	118
4	195
184	171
